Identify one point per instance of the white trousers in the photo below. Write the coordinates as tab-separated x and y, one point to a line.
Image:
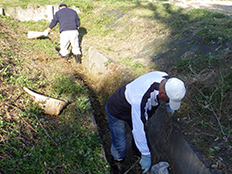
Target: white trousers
67	37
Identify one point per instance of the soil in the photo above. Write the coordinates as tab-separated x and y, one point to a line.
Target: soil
210	5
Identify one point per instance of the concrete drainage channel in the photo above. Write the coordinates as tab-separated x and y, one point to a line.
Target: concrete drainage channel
166	142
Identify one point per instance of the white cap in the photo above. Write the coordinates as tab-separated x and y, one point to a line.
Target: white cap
175	91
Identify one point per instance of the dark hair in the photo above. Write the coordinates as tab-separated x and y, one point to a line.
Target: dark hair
163	83
62	4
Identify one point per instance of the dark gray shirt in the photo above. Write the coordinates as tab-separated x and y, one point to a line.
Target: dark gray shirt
67	18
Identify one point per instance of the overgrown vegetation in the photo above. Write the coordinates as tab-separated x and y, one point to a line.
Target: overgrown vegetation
33	142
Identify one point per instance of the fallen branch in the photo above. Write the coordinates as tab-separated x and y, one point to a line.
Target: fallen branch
132	166
46	131
15	107
6	155
209	104
30	126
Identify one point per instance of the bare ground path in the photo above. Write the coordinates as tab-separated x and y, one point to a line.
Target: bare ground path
210	5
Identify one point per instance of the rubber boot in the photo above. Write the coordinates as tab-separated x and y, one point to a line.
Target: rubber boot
78	58
117	167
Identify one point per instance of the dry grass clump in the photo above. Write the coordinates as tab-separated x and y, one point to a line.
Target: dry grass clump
104	84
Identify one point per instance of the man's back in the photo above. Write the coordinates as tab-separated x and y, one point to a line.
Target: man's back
67	18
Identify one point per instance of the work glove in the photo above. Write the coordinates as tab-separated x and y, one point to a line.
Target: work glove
145	163
46	33
169	110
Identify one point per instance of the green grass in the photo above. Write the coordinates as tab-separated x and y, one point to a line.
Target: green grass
24	3
72	147
34	145
37	144
32	142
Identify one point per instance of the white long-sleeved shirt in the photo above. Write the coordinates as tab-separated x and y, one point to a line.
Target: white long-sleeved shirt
136	102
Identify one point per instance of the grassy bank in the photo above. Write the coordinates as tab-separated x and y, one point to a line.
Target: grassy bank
34	142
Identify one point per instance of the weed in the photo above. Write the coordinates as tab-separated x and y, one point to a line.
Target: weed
68	86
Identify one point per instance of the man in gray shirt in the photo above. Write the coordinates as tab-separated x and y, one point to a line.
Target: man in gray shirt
69	23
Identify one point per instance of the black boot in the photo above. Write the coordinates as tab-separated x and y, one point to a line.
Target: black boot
57	49
117	167
78	58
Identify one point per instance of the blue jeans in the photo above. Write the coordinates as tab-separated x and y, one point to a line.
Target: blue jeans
118	133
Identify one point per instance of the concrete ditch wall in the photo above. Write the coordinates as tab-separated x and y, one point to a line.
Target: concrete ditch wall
166	142
95	61
32	13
